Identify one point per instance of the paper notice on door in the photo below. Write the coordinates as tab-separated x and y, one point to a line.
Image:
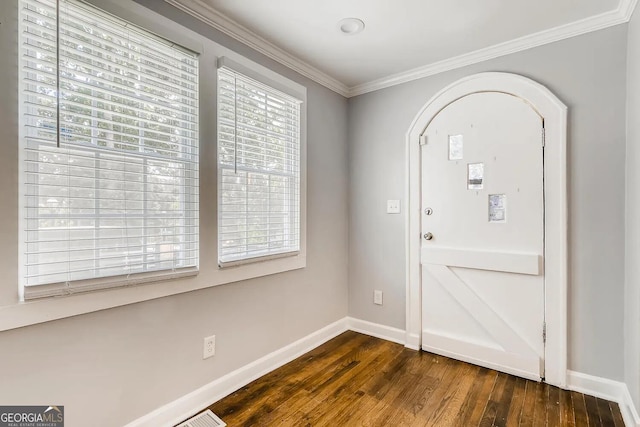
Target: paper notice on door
455	147
475	176
497	208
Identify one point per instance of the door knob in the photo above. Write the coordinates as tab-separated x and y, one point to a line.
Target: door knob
428	236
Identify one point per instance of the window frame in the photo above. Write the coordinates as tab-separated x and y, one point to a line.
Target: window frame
289	91
15	313
58	288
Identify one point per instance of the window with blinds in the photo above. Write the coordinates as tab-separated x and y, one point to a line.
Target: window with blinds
258	170
109	151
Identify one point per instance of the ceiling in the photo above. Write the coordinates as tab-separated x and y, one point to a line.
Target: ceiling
420	33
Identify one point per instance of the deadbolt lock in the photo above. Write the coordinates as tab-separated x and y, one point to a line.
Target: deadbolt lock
428	211
428	236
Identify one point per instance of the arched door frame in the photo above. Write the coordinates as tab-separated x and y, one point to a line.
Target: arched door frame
554	114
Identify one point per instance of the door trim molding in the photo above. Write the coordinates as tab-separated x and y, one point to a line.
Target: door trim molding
554	113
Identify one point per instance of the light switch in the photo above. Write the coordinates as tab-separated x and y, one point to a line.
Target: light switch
393	206
377	297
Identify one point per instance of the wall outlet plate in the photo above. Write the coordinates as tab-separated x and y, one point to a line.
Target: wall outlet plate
377	297
393	206
209	347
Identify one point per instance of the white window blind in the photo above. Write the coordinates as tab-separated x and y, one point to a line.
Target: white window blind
109	151
259	170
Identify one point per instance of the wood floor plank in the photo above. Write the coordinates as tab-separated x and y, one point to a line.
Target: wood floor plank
618	421
357	380
474	405
529	406
567	413
503	402
592	411
606	416
394	403
517	402
383	386
579	409
340	395
454	399
540	412
410	404
491	410
553	406
380	385
444	403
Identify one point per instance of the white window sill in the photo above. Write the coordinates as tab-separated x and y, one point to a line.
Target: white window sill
43	310
245	261
105	283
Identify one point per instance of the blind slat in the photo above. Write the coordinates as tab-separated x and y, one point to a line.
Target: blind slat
257	130
126	158
111	86
119	195
80	239
126	119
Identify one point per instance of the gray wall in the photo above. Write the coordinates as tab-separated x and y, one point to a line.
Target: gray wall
632	291
588	74
112	366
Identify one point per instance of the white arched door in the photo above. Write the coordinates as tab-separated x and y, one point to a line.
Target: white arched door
554	113
482	222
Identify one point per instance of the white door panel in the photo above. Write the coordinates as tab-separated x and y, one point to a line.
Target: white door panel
483	270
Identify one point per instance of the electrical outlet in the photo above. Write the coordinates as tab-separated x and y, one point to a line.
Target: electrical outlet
209	347
393	206
377	297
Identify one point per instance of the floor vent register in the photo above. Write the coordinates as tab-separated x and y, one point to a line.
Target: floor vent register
204	419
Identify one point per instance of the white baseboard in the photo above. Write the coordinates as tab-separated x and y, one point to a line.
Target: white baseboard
606	389
412	341
186	406
376	330
628	409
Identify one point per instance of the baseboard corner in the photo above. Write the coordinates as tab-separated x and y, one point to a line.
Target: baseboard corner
628	409
377	330
605	388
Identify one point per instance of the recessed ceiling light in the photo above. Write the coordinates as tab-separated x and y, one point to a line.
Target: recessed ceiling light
351	26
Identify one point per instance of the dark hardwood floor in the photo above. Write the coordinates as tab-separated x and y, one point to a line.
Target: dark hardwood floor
357	380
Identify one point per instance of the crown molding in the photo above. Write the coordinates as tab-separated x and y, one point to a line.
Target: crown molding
597	22
206	13
626	8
